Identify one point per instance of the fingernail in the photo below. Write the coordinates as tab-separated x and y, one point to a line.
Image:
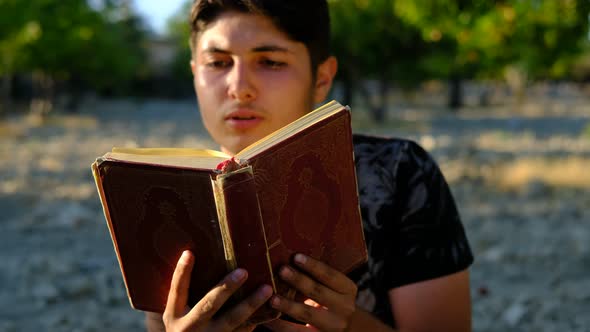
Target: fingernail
286	272
301	259
185	258
265	292
275	302
238	275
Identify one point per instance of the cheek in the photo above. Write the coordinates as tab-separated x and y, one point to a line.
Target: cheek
300	94
207	117
212	124
206	82
206	100
289	85
201	82
206	96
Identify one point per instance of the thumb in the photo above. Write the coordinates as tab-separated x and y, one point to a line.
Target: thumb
178	294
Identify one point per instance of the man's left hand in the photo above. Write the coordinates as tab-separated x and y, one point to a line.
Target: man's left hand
331	297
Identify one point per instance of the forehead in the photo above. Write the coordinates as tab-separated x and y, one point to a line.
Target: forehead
234	30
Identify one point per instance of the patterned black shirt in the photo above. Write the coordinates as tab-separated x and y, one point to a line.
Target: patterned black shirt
411	223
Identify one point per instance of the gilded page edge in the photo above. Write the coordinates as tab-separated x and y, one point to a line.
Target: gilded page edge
284	133
365	257
228	247
248	168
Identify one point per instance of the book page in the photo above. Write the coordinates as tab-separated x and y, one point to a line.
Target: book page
172	152
289	130
205	162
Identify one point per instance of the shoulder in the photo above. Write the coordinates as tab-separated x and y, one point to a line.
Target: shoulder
366	144
390	148
409	210
394	177
391	157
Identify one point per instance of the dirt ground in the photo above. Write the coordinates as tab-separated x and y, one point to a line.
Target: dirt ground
521	180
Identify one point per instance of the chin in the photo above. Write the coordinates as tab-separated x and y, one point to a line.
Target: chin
237	143
246	142
233	149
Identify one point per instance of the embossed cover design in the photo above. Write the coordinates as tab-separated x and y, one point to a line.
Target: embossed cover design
154	214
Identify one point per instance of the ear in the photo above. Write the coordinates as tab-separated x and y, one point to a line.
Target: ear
193	67
324	78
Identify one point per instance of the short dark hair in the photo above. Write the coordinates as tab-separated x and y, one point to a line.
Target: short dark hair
305	21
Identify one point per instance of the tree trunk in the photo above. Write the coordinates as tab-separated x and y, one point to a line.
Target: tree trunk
374	103
378	113
346	78
73	93
455	93
485	94
517	79
382	100
347	91
5	94
377	100
42	102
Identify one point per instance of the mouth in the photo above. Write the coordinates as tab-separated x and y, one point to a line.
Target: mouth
243	119
243	115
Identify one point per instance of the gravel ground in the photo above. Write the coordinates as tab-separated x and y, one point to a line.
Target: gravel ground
530	237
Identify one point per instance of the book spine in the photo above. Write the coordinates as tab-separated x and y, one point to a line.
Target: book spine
228	246
242	227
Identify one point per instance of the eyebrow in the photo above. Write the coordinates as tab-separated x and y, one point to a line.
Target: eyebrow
258	49
270	48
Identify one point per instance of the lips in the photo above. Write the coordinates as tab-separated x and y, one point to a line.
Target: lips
242	115
243	119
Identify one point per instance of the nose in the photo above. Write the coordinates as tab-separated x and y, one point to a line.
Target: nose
240	83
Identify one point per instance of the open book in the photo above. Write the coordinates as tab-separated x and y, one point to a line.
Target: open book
293	191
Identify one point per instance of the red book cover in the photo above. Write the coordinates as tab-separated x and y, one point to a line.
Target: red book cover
154	214
308	196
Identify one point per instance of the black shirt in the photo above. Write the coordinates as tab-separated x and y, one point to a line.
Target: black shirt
411	224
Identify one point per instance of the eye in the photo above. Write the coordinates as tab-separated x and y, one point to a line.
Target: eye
272	64
218	64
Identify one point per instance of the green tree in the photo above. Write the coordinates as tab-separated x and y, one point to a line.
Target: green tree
122	45
487	39
405	42
408	41
178	29
372	42
16	33
465	38
546	38
68	41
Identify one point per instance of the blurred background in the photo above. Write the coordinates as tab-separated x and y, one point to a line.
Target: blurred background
497	91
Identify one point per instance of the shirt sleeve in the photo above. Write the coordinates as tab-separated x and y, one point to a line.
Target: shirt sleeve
428	237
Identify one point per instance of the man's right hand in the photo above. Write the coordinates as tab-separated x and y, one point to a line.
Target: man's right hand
200	317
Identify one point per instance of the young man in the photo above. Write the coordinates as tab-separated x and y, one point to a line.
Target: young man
260	64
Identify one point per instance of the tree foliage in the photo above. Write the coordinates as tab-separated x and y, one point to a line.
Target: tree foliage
482	38
389	41
408	41
178	28
68	39
372	42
